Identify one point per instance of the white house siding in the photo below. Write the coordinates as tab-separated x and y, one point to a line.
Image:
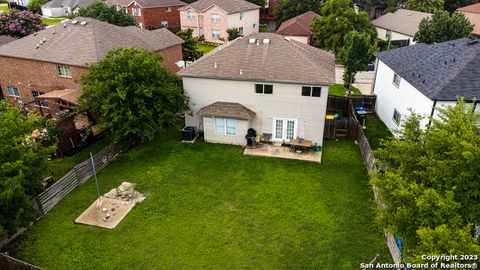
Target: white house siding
285	102
302	39
382	34
239	137
406	97
53	12
250	21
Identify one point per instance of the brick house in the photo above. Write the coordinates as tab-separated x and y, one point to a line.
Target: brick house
152	14
55	58
212	18
299	28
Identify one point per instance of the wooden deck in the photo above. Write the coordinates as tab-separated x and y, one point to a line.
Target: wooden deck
277	151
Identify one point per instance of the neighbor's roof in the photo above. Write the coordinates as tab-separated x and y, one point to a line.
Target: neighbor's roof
403	21
440	71
79	45
227	109
70	95
283	60
158	3
6	39
472	13
229	6
298	26
122	3
66	3
475	8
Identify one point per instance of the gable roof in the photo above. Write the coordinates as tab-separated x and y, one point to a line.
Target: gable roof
440	71
229	6
158	3
402	21
66	3
475	8
283	60
227	109
298	26
78	45
122	3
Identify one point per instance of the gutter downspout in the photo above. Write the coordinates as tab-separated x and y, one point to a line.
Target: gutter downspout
431	114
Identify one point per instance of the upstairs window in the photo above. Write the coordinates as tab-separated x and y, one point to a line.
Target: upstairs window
266	89
191	15
64	71
241	15
311	91
396	80
13	91
240	31
136	12
165	24
397	117
169	9
215	18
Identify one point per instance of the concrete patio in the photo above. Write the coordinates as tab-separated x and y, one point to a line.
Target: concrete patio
275	150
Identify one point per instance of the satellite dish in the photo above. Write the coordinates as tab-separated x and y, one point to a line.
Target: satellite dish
180	63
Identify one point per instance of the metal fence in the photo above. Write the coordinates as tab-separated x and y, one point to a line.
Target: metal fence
10	263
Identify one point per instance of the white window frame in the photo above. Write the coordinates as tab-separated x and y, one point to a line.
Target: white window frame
215	35
242	14
136	12
190	15
399	120
225	126
64	72
16	92
395	81
169	9
240	30
311	90
215	18
284	128
165	24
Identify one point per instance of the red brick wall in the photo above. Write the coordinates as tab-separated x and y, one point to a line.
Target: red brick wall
172	55
151	18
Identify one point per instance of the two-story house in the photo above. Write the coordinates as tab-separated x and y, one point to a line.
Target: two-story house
299	27
425	77
212	18
54	59
152	14
263	81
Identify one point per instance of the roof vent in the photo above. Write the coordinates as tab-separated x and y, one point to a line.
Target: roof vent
288	39
83	23
410	14
64	25
215	65
54	31
38	46
252	41
74	22
266	41
241	71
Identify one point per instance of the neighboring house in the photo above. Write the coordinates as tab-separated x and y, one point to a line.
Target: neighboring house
266	13
58	8
262	81
425	77
299	28
472	13
212	18
401	25
152	14
53	59
23	3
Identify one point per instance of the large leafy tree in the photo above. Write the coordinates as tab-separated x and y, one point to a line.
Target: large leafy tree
355	55
442	27
134	95
286	9
430	183
429	6
190	50
338	19
22	161
17	23
103	12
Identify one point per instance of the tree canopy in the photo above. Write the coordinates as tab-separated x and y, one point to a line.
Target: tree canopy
233	33
190	50
355	55
429	6
286	9
134	95
442	27
339	18
35	5
430	184
22	161
19	24
103	12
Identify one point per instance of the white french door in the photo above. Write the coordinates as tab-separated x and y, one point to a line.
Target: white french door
284	129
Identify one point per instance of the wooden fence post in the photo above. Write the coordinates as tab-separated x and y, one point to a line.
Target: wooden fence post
40	206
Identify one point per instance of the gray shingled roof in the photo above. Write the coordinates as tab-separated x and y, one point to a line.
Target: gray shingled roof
282	60
230	6
227	109
79	45
66	3
402	21
440	71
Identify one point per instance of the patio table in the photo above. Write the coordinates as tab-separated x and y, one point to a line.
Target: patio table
304	144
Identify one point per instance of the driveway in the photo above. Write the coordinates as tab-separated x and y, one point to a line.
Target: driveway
363	80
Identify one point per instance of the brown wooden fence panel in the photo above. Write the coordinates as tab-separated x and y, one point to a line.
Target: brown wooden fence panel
10	263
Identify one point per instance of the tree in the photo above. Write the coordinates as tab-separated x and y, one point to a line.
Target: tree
258	2
339	18
103	12
35	5
355	55
22	161
18	24
430	184
190	49
429	6
286	9
442	27
134	95
233	33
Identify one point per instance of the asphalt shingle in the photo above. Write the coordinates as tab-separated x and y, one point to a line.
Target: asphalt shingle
402	21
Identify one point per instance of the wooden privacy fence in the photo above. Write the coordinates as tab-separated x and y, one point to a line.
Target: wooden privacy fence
46	200
10	263
340	104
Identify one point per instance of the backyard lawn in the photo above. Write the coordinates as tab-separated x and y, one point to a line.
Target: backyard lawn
339	90
376	131
208	206
4	8
205	48
53	20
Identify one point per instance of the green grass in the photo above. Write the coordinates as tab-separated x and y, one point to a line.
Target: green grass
339	90
59	167
53	20
4	8
211	207
263	29
205	48
375	131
